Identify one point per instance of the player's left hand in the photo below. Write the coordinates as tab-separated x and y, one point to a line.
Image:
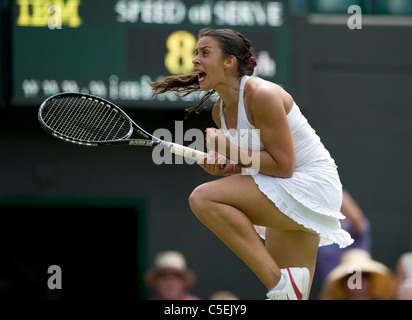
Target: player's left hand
216	140
213	164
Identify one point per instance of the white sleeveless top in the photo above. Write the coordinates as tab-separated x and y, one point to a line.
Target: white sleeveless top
313	195
244	128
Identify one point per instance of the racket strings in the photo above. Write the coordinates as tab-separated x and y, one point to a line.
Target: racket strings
85	124
86	119
71	117
50	115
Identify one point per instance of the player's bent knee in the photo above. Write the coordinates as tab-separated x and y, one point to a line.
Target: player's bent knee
195	200
198	201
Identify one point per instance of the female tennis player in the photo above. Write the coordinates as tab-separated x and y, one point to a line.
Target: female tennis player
292	198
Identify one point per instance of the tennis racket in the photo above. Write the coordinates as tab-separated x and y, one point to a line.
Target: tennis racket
88	120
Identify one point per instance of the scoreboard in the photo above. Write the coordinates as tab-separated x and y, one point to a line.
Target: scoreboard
113	48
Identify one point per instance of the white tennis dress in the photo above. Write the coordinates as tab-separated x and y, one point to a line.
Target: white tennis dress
313	195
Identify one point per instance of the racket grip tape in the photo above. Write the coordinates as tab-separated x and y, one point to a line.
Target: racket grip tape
187	152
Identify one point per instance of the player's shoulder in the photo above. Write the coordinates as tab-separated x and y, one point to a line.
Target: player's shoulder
259	89
263	93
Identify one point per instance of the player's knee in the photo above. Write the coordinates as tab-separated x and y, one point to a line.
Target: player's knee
198	201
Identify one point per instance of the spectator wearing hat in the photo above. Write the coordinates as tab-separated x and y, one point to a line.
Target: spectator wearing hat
169	278
359	277
404	277
223	295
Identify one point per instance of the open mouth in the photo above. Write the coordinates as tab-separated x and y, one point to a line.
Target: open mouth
202	76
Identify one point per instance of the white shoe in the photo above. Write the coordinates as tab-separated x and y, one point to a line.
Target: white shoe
296	287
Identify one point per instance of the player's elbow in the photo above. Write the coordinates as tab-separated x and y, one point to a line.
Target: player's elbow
286	168
281	166
279	170
288	172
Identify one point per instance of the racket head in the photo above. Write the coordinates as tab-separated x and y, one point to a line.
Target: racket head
84	119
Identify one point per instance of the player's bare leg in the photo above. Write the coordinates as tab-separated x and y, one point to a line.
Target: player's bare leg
229	207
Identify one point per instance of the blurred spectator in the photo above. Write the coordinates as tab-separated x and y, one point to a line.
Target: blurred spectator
169	278
223	295
358	227
404	277
359	277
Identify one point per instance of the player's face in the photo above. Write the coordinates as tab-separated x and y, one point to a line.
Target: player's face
209	62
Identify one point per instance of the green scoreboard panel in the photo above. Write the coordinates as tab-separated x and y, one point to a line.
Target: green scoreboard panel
112	48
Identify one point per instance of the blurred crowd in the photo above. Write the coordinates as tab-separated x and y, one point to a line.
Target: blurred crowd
342	274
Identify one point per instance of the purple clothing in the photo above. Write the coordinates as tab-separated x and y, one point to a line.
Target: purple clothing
329	256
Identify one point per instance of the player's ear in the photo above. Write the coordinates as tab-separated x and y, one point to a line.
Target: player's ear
230	61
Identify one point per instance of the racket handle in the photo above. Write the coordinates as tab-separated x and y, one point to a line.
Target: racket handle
187	152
